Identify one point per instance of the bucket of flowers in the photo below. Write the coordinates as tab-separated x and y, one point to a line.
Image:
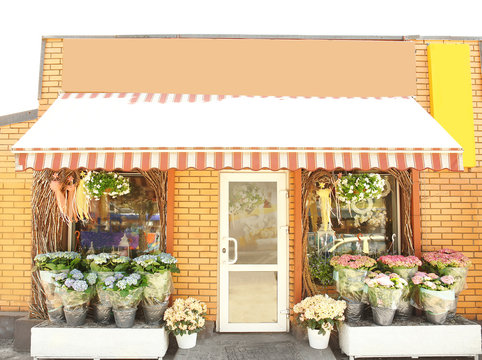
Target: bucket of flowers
435	295
185	318
105	265
75	289
405	267
49	265
349	275
449	262
157	269
384	293
124	293
319	314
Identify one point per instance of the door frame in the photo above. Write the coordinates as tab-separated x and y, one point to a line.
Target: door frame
282	267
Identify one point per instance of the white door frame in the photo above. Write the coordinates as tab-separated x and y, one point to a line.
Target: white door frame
282	179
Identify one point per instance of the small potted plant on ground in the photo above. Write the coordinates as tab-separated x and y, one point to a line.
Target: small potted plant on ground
105	265
185	318
50	264
384	294
449	262
125	293
406	267
349	275
157	269
435	295
319	314
75	289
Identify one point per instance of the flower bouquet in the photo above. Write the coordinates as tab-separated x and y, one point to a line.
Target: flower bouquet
435	295
124	293
49	265
75	289
406	267
185	318
449	262
384	294
105	265
349	275
319	314
157	270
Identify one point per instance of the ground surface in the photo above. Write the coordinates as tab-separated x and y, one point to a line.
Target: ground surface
235	347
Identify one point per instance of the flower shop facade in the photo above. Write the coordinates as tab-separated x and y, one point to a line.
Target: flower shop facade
201	226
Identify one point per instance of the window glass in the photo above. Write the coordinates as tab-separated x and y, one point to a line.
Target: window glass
128	225
368	225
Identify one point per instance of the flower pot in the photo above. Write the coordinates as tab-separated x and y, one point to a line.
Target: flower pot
318	341
75	316
383	316
453	309
437	319
102	314
124	318
56	313
354	311
153	313
186	341
404	310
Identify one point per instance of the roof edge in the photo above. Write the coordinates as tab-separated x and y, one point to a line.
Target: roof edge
18	117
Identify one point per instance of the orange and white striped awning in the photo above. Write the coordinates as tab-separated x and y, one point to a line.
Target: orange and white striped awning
126	131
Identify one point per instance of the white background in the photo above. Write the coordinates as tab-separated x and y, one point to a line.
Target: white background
24	22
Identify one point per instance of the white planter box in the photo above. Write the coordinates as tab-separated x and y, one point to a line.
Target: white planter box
460	337
92	341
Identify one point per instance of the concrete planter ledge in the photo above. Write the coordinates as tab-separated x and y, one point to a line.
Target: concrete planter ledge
413	338
92	341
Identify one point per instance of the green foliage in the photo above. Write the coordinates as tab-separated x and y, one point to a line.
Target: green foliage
97	183
320	269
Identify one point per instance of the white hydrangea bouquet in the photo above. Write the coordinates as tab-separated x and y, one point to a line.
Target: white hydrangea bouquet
320	312
105	262
157	269
353	188
75	289
98	183
185	316
124	291
50	264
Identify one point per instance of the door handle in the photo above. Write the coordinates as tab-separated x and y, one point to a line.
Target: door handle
230	262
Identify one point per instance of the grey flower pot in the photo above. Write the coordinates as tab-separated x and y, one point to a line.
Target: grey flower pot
354	311
124	318
75	316
437	319
383	316
56	315
153	314
102	314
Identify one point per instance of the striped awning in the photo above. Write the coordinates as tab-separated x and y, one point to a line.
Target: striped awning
126	131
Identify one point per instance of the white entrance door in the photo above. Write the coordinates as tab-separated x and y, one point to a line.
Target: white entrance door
253	255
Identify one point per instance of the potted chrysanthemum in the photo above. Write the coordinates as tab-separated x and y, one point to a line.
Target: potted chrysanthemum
157	269
105	265
406	267
125	294
384	293
319	314
435	295
449	262
185	318
49	265
349	275
75	289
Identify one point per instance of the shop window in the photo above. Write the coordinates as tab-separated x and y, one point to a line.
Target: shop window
128	225
370	227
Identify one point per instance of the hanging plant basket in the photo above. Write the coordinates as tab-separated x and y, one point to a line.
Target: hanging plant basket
354	188
98	183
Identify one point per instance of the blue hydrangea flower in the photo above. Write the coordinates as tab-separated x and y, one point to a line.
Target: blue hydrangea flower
60	276
118	276
109	280
136	276
76	274
80	285
69	282
91	278
130	280
122	284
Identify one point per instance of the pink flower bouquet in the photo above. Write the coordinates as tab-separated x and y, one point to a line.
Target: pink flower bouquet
356	262
448	262
435	295
385	290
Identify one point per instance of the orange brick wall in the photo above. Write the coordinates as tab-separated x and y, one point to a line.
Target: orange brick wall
196	225
15	196
451	203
